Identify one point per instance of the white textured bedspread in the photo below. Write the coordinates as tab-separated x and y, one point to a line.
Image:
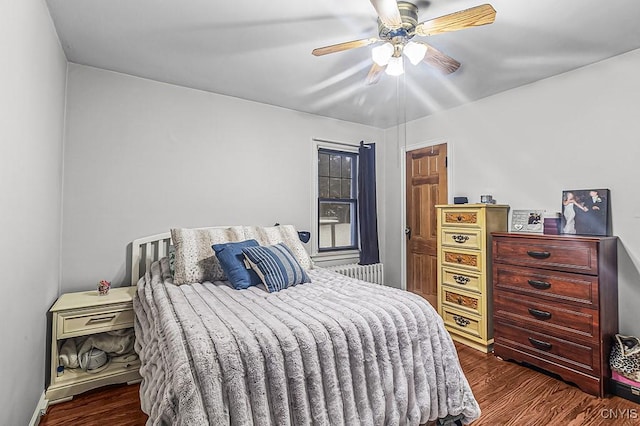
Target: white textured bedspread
337	351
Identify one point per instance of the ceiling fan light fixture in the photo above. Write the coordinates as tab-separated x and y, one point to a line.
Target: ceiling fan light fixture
395	66
382	54
415	52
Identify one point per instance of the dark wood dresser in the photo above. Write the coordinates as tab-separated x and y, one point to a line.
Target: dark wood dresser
556	304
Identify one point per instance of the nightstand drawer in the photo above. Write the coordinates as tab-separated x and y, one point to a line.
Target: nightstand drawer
465	238
460	258
78	323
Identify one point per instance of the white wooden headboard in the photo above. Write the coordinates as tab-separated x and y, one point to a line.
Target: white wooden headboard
146	250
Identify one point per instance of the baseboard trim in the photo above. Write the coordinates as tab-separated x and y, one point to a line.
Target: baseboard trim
41	410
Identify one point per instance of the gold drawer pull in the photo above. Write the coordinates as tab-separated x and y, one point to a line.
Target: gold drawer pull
460	239
100	319
461	321
462	280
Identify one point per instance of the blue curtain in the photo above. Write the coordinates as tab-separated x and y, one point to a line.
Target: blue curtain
367	213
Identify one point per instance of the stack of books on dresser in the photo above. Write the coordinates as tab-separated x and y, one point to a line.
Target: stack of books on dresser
551	223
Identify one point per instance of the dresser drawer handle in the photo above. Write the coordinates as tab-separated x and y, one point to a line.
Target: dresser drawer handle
540	344
459	259
459	218
461	321
462	280
539	254
542	285
100	319
460	239
540	314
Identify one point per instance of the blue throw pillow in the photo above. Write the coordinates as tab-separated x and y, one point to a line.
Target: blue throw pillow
276	266
231	259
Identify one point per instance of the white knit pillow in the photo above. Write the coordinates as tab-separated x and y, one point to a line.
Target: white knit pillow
195	259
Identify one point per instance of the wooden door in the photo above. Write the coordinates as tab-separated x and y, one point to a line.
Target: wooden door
426	183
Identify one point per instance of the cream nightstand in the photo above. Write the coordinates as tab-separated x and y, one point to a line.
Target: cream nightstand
82	314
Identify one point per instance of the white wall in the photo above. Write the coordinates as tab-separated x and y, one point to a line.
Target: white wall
576	130
142	157
32	83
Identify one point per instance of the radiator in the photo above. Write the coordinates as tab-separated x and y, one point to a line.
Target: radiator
370	273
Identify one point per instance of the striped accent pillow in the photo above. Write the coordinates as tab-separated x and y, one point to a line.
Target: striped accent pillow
276	266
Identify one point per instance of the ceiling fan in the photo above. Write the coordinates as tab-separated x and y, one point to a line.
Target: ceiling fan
398	25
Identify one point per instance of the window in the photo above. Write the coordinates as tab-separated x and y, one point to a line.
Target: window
337	200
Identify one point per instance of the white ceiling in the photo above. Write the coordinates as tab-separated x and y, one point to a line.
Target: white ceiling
261	50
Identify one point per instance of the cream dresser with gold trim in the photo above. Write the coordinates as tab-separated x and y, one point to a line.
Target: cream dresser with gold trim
464	270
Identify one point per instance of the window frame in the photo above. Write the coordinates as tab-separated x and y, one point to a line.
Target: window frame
325	258
353	201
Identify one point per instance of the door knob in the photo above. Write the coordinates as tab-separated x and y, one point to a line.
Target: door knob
407	232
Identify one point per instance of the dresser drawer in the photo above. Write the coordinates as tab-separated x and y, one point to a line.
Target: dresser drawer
462	300
461	279
461	258
93	321
548	285
461	321
569	255
546	317
460	237
466	217
574	355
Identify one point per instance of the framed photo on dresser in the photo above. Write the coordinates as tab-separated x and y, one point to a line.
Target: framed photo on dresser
586	212
527	221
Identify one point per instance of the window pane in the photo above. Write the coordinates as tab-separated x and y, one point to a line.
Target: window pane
335	225
335	165
323	164
346	188
336	222
334	188
323	188
346	167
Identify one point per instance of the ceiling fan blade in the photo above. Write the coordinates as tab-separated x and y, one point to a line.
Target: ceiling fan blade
343	46
476	16
388	12
439	60
375	73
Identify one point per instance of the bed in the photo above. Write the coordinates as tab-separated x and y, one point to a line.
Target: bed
335	351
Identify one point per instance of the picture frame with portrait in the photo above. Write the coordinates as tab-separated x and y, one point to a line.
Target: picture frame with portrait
585	212
527	221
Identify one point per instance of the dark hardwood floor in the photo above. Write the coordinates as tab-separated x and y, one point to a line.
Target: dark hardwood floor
112	405
508	394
